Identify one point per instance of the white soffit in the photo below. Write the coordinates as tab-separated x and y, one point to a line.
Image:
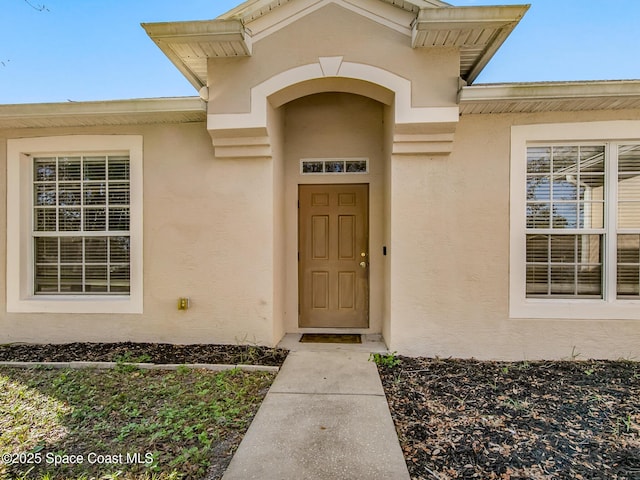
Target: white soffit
477	31
119	112
550	97
189	44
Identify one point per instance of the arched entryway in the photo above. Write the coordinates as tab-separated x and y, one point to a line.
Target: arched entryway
340	111
335	154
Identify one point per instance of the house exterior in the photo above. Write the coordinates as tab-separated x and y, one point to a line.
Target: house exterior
338	172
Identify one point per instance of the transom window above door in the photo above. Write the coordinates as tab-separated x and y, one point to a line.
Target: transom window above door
322	166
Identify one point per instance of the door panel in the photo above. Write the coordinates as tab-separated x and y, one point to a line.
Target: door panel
346	290
333	241
320	289
346	237
320	237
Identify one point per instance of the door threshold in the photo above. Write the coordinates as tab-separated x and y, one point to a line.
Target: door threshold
370	343
330	338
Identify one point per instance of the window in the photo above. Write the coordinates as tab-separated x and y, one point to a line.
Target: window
628	233
75	231
565	220
575	221
81	224
334	165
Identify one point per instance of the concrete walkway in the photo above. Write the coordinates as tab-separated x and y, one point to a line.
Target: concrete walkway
325	417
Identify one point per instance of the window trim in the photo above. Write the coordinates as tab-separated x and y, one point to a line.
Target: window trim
19	284
563	308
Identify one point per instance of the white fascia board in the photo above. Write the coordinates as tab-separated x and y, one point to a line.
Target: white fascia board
249	8
427	3
153	106
502	19
252	9
469	17
120	107
391	16
183	31
167	34
549	91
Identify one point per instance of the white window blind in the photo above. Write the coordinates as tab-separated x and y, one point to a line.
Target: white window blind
565	220
628	240
81	224
580	201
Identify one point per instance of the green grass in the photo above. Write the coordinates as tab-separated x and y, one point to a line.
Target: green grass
123	423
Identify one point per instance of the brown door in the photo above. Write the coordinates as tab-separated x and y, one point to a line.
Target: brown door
333	242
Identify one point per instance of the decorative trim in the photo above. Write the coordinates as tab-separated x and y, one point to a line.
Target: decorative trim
330	65
424	120
423	144
242	146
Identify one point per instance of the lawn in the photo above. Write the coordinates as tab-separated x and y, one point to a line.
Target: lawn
466	419
124	423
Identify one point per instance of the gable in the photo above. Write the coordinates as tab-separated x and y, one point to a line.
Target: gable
477	32
253	9
263	18
336	33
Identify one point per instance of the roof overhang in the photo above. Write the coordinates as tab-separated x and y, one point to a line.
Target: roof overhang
120	112
477	31
550	96
189	44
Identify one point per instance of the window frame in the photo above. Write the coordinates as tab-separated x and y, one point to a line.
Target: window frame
324	161
20	239
610	133
552	231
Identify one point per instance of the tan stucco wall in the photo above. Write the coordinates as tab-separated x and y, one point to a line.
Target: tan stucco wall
208	235
335	31
276	134
224	233
386	153
450	256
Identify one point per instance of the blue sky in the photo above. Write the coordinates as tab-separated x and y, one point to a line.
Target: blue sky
96	50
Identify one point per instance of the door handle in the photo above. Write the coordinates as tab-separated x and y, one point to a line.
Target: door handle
363	264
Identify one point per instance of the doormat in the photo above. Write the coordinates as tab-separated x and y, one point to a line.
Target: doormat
330	338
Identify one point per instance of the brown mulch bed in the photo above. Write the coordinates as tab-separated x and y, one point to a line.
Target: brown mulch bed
159	353
466	419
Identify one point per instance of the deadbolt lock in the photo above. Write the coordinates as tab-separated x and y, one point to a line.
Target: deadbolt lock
363	254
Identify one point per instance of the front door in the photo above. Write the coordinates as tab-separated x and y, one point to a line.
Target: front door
333	243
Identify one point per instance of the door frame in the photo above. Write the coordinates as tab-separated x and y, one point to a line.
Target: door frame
299	225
